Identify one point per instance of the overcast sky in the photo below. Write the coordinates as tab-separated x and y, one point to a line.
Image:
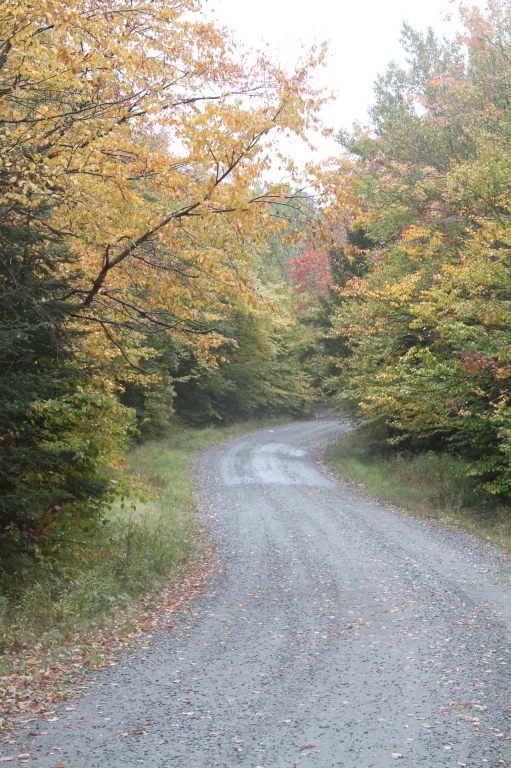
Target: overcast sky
363	36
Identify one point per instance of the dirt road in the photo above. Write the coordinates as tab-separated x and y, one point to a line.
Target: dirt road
339	632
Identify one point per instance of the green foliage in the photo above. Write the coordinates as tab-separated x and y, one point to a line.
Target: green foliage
151	396
257	371
258	374
428	324
61	427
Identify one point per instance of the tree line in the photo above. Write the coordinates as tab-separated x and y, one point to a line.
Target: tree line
148	268
422	314
136	237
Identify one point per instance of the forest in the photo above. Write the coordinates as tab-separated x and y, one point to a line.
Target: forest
155	281
140	268
424	309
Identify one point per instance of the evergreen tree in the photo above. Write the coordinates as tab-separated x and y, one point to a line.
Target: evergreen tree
51	479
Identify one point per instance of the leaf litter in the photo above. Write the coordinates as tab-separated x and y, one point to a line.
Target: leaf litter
37	677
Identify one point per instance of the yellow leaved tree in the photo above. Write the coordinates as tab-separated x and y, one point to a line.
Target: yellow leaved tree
145	131
134	136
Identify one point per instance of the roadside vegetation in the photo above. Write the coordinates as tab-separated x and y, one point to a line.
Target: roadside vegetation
152	277
58	623
411	311
424	310
143	288
424	483
142	264
144	298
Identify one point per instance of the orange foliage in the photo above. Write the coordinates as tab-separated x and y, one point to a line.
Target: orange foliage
146	130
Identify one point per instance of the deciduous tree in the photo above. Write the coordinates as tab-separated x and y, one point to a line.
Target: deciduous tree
429	324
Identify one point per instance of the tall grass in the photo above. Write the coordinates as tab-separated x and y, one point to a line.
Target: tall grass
140	549
428	484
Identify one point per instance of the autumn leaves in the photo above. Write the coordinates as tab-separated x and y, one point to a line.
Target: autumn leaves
428	320
133	140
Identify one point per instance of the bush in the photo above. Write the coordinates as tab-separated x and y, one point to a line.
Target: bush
420	480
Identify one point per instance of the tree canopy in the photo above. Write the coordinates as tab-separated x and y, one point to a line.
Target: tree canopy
133	141
429	323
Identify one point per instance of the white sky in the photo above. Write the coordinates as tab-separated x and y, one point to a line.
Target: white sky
363	35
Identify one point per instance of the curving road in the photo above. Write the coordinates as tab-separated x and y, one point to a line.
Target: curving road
339	632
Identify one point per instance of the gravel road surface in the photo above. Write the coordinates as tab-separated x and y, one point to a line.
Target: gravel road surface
338	632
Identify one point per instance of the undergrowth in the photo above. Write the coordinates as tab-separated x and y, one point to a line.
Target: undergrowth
141	548
428	484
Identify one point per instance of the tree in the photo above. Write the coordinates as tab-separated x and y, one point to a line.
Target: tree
132	140
258	374
147	129
62	430
429	323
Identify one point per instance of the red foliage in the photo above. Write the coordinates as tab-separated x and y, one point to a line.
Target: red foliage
476	362
311	277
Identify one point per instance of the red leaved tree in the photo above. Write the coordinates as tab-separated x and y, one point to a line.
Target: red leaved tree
311	278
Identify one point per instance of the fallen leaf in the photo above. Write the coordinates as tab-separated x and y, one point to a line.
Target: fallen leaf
6	759
397	755
138	730
307	746
59	765
165	741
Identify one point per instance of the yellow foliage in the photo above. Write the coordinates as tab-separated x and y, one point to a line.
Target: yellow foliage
145	132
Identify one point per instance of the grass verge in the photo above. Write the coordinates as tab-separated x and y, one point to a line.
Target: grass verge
152	562
426	484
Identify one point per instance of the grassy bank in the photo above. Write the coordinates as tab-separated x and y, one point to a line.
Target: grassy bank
426	484
56	625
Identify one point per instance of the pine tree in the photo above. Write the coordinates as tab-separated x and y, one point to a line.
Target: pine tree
48	485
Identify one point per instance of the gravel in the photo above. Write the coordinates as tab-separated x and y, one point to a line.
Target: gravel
339	631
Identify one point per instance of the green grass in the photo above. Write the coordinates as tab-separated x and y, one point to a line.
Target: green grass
143	547
425	484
